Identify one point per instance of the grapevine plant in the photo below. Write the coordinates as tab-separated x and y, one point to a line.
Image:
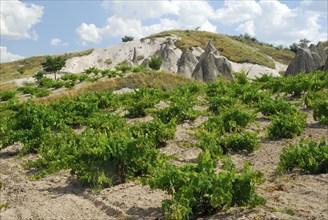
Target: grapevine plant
198	190
308	156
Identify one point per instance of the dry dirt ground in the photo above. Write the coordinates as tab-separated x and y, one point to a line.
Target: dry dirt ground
60	196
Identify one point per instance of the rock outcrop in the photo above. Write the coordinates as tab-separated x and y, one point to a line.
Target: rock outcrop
321	52
197	51
134	60
170	56
307	59
187	63
325	68
211	65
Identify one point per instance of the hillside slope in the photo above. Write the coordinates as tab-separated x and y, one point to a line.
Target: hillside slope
166	132
9	71
234	50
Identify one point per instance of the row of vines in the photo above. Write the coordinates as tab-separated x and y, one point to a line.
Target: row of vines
88	136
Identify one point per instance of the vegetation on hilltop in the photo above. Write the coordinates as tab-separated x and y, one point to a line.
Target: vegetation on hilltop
279	53
232	48
11	70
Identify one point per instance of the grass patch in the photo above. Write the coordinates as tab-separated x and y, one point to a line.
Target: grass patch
133	81
282	56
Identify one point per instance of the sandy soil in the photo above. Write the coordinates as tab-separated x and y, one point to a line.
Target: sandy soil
60	196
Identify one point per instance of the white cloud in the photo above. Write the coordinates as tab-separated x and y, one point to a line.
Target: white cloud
6	56
270	21
88	33
55	41
163	25
129	18
273	21
237	11
141	9
207	26
18	18
58	42
247	27
281	25
194	13
117	26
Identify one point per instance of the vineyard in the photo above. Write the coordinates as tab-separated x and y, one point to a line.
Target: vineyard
107	140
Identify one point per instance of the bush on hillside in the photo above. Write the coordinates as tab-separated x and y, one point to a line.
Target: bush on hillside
127	38
155	63
6	95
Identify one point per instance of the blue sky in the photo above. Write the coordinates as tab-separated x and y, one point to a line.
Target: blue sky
31	28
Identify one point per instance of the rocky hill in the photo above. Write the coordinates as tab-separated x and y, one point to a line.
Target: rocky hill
186	53
171	46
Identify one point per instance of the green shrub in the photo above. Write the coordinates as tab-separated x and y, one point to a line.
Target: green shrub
155	130
320	111
270	107
241	141
109	158
312	97
210	141
127	38
217	88
308	156
124	68
287	125
140	100
139	69
214	124
39	75
180	109
26	89
297	85
70	84
72	77
198	190
7	95
93	70
29	123
155	63
263	78
38	92
241	78
236	118
21	70
86	77
219	103
41	92
50	83
251	94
